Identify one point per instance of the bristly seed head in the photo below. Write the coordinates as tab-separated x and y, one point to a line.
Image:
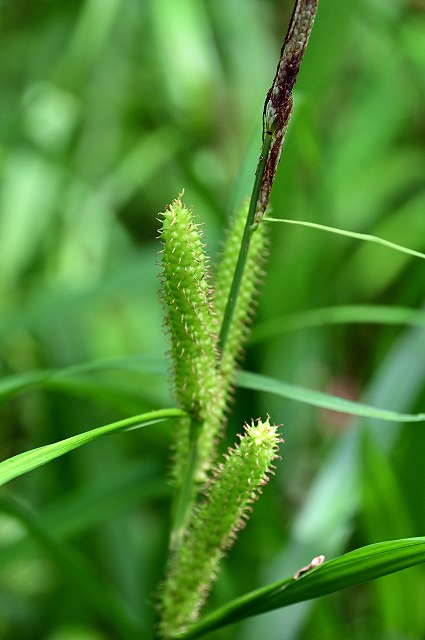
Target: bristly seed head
191	321
192	326
235	484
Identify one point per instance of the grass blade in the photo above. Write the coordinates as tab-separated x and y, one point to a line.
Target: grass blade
29	460
247	380
62	379
323	400
355	567
329	510
344	314
351	234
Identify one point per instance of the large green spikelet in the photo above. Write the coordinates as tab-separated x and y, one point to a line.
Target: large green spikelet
193	331
191	322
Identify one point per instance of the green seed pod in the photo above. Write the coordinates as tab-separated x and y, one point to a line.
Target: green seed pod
245	304
235	485
193	331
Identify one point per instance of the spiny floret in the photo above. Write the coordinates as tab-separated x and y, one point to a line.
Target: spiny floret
235	485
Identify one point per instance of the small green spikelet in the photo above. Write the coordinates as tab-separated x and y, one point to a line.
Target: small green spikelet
193	330
235	485
245	305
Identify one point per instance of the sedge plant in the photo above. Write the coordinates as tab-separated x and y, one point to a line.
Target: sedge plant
207	317
208	323
207	327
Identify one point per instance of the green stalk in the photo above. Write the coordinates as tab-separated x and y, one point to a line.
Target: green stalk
250	227
276	115
185	494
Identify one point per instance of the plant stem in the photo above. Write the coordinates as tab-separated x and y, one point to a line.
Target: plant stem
276	115
184	498
250	227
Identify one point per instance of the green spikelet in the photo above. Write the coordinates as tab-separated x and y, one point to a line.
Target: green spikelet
245	305
235	485
193	331
190	316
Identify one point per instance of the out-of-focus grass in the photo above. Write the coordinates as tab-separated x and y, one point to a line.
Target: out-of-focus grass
109	109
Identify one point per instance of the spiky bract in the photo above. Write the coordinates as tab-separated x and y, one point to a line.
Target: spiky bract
236	483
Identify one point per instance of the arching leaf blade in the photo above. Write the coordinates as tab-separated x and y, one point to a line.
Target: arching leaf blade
66	379
320	399
353	568
343	314
367	237
29	460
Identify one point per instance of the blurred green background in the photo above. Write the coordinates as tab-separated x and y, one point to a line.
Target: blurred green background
109	109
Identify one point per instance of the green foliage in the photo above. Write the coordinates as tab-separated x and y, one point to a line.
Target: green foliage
29	460
353	568
110	109
315	398
351	234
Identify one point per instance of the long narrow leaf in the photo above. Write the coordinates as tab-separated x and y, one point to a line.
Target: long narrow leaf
324	400
355	567
344	314
57	378
328	512
351	234
29	460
